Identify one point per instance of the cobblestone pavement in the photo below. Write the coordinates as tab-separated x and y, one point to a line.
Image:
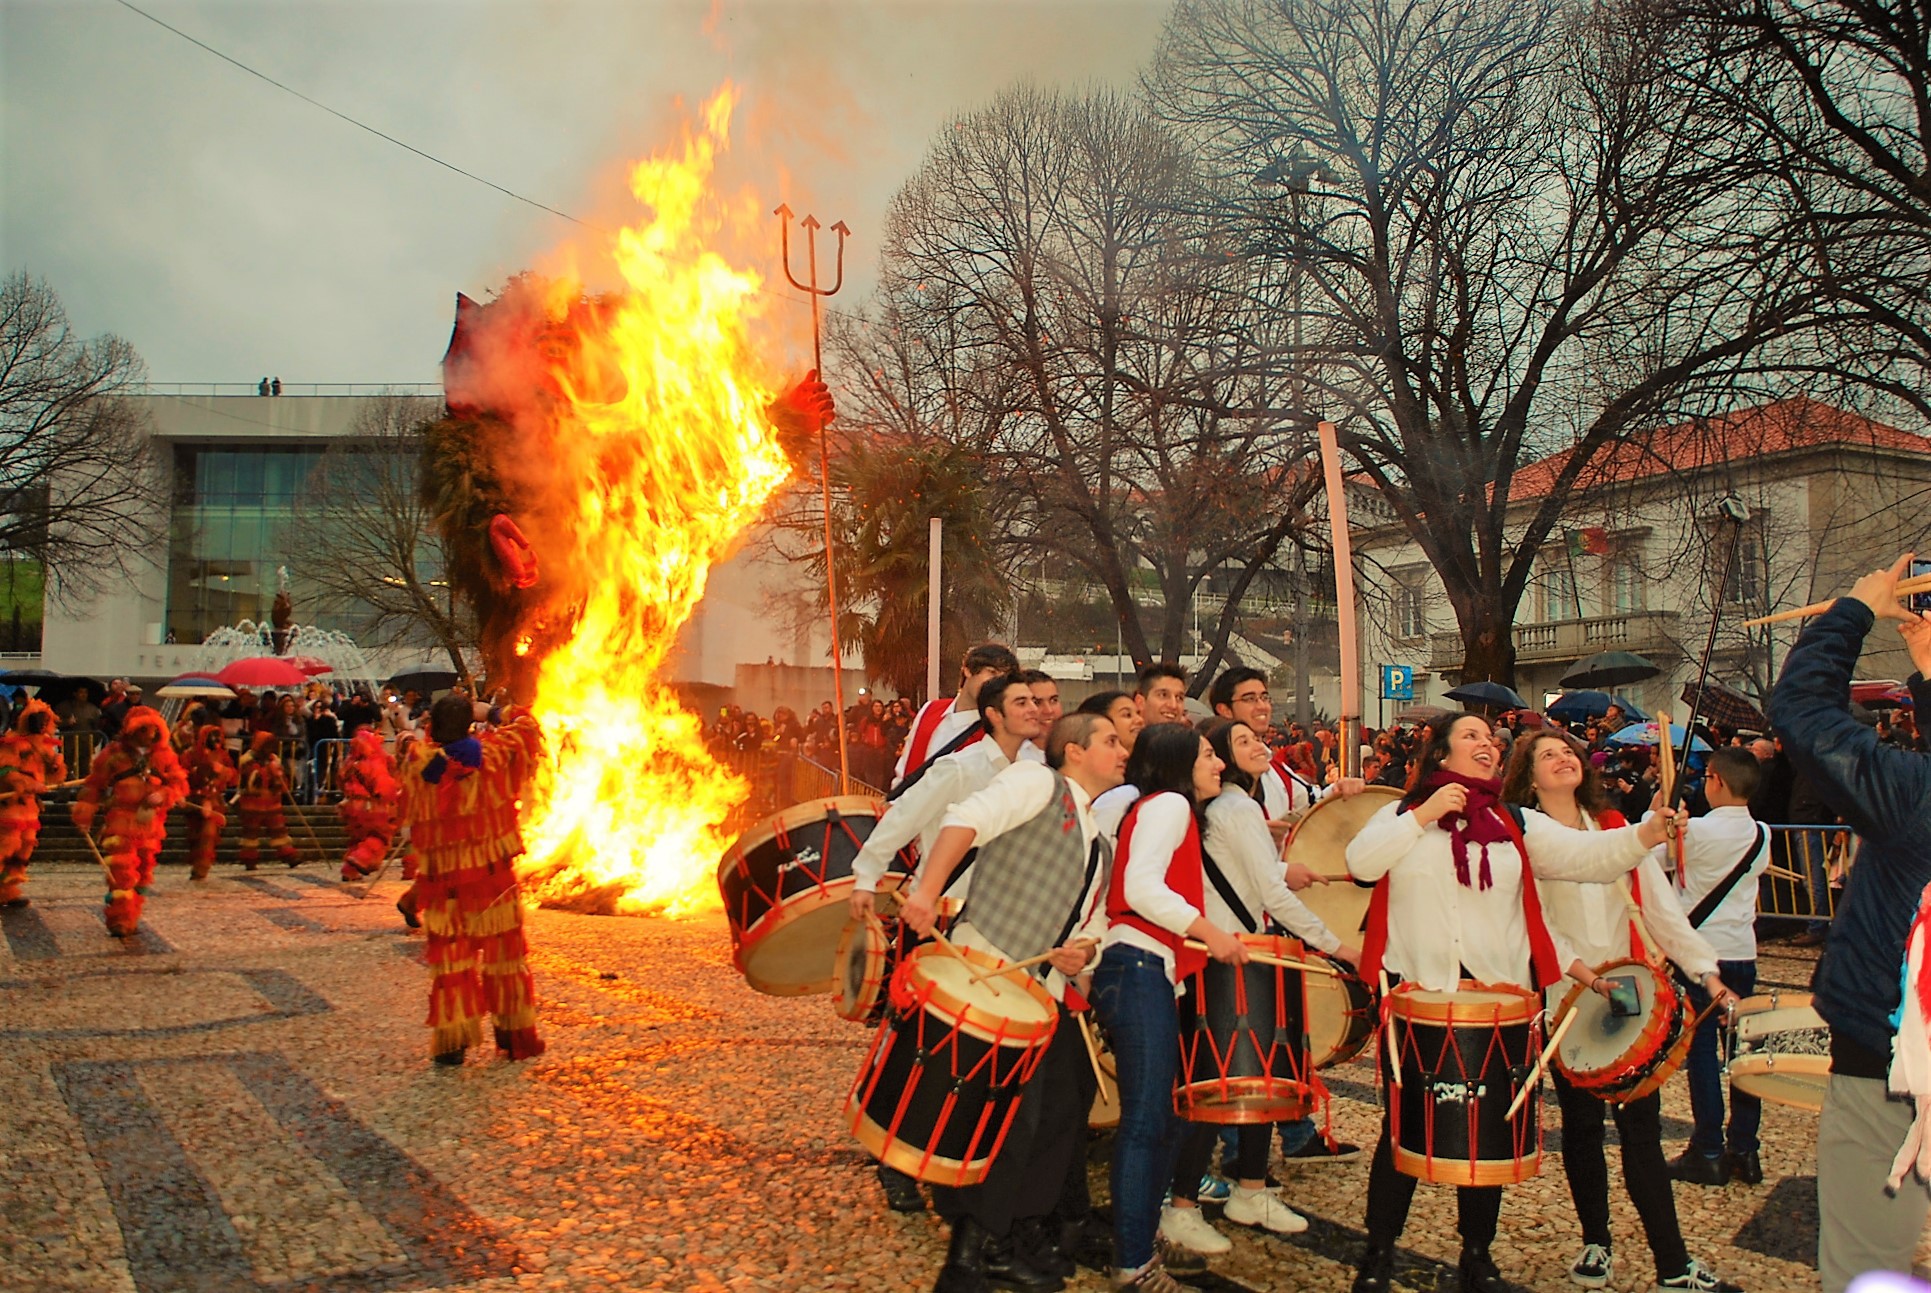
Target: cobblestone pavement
241	1099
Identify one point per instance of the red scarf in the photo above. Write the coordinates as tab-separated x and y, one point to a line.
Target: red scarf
1483	822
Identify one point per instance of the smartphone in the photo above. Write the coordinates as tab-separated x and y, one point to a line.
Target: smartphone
1920	602
1624	1001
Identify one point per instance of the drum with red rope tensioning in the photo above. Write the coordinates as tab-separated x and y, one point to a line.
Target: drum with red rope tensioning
1453	1063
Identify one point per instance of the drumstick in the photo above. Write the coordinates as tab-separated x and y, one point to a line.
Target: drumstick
1388	1025
1092	1048
1666	784
1784	873
1636	918
946	943
1915	584
1262	958
1541	1062
1029	962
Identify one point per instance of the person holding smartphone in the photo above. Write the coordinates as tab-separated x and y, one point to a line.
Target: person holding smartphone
1548	771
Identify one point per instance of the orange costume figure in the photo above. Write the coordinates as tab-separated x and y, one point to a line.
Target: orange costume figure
136	779
30	763
459	801
369	795
211	775
263	786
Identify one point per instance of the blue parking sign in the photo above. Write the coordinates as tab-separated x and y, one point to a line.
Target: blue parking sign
1397	682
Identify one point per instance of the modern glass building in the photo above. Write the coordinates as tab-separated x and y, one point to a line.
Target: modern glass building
232	527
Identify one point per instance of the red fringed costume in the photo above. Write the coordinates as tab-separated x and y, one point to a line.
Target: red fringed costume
211	775
459	803
135	780
30	763
369	795
263	787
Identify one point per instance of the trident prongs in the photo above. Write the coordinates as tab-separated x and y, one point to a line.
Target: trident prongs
810	285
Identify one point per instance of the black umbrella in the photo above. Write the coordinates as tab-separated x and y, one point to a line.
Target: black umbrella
423	678
50	686
1610	669
1722	706
1492	694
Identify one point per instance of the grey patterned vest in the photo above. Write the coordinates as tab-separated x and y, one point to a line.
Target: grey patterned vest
1027	882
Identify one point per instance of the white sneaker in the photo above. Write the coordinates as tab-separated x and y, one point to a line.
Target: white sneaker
1186	1227
1265	1209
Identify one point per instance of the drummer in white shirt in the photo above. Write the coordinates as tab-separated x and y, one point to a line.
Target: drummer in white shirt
1592	927
1010	712
1454	902
1238	848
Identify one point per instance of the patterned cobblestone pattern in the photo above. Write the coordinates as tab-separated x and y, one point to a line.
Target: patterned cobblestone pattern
240	1099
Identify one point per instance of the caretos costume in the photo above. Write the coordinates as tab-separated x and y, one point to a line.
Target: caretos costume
369	795
211	775
263	786
459	803
30	763
133	782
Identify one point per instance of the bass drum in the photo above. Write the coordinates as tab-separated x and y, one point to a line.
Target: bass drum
1319	842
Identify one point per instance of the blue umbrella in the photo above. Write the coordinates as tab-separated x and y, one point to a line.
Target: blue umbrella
1646	734
1578	705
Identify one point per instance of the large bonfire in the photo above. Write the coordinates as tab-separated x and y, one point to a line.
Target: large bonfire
601	453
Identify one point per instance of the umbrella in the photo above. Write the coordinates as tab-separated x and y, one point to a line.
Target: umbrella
196	684
1610	669
1881	695
1422	714
50	686
1492	694
310	665
1647	734
261	671
1592	704
423	678
1725	706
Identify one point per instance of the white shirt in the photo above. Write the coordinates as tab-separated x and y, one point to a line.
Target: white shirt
1238	840
1159	829
1437	925
956	720
1590	923
1712	846
920	812
1282	794
1022	791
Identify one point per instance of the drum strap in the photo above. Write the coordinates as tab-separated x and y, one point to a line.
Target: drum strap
959	742
1714	898
1223	887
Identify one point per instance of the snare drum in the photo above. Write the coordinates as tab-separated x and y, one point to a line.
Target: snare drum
1780	1050
785	885
1461	1057
946	1071
1340	1014
1243	1051
1319	842
1620	1058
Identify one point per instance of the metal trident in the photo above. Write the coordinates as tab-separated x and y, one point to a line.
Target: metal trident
810	287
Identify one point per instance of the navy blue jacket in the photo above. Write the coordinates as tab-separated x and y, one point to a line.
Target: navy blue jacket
1884	793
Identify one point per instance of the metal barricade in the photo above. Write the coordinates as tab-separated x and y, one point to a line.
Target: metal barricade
325	762
1809	865
79	749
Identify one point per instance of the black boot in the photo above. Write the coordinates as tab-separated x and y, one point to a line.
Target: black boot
1478	1273
1039	1238
1007	1267
1376	1273
965	1260
901	1191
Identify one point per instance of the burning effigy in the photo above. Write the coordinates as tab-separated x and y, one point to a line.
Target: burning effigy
601	452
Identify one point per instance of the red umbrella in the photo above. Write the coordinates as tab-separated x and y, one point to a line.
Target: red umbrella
310	665
262	671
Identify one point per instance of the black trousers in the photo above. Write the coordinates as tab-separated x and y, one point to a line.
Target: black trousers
1477	1207
1029	1175
1198	1151
1645	1174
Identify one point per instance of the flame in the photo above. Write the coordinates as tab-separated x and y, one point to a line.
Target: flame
668	464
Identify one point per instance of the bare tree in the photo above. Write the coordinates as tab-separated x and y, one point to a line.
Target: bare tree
363	537
1512	241
1097	341
81	491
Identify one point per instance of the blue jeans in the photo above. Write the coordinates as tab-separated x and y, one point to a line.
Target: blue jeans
1134	999
1705	1068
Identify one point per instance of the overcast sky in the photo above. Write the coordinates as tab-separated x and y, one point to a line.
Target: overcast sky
231	231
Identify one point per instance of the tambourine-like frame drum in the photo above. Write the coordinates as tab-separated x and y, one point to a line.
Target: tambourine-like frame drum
1463	1057
1319	842
869	951
946	1070
1243	1056
1340	1014
1620	1058
1780	1050
785	884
